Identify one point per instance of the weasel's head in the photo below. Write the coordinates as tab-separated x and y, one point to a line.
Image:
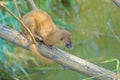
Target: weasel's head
64	37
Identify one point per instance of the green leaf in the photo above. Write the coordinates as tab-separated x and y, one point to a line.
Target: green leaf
22	70
109	60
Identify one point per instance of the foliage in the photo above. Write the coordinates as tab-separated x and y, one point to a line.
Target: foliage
94	25
7	49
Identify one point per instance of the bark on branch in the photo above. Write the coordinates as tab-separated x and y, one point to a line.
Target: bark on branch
59	56
117	2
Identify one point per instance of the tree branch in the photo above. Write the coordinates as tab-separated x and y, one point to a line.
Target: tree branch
117	2
68	60
32	4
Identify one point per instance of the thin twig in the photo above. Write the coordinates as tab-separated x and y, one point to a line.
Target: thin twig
117	2
14	1
34	7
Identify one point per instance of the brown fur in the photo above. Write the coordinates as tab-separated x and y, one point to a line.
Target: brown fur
43	28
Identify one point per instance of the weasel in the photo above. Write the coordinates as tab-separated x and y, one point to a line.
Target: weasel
43	29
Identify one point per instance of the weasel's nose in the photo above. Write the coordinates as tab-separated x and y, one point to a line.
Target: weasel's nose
69	45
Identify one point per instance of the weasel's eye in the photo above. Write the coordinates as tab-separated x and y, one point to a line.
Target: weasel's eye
61	38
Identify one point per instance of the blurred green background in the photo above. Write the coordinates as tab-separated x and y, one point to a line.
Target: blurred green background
94	25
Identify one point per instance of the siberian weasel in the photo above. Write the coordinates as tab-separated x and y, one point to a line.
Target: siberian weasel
44	29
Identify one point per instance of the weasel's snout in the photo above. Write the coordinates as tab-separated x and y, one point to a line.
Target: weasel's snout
69	45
